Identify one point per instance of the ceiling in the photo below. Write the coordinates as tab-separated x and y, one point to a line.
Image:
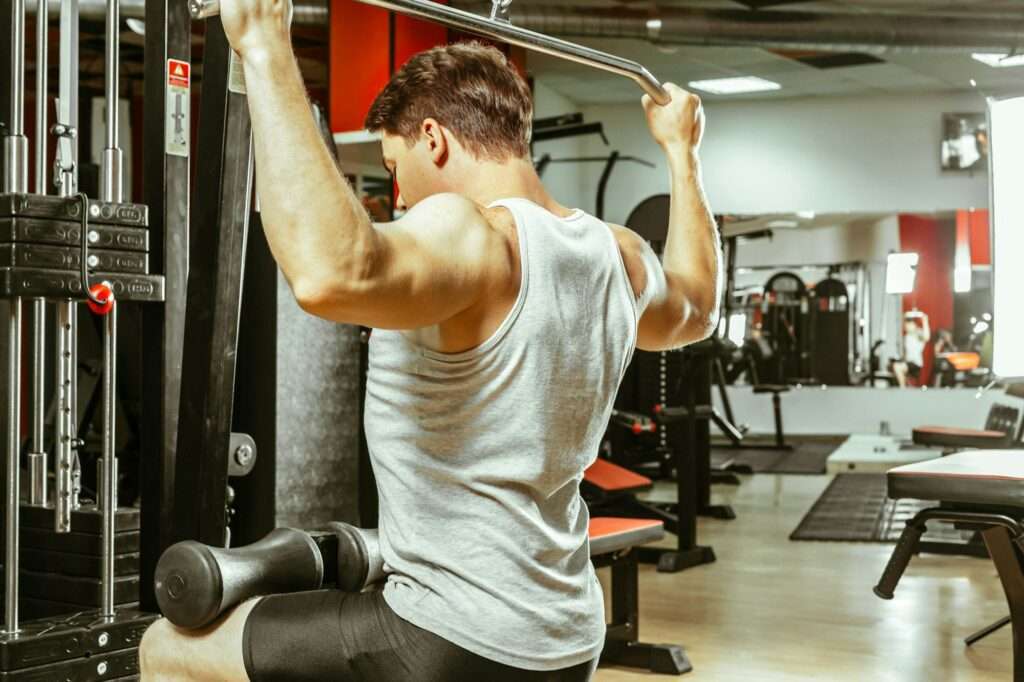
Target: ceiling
899	72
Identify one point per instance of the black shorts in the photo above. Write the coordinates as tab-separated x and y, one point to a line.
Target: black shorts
339	637
913	370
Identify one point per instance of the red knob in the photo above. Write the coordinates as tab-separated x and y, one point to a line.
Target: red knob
637	428
105	295
658	409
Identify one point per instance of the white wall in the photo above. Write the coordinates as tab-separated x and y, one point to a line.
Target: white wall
863	154
840	410
562	180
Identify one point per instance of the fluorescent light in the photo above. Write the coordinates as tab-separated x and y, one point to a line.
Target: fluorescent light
961	279
998	60
783	224
735	86
1006	159
901	273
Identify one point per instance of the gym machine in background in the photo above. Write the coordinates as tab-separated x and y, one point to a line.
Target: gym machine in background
80	563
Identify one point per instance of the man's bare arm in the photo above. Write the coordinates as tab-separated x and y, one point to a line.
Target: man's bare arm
339	265
686	308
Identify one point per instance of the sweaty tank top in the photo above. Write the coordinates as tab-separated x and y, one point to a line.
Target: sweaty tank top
479	455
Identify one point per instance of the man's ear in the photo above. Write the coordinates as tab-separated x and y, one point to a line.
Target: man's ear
436	138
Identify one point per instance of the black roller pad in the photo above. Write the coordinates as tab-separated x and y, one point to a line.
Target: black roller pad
22	255
70	209
81	565
78	543
88	519
35	231
34	282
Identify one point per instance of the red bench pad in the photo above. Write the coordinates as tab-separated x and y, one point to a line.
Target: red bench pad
613	478
947	436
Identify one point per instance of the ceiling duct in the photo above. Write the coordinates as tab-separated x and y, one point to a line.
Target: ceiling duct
818	31
775	29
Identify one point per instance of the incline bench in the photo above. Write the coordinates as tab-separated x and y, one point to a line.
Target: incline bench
612	543
981	490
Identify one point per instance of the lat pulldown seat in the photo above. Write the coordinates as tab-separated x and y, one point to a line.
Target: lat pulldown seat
612	542
981	490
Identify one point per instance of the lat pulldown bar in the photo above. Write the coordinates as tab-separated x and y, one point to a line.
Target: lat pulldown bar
498	28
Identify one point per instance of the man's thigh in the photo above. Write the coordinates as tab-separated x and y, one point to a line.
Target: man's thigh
169	653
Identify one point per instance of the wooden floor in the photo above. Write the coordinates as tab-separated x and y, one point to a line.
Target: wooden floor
771	609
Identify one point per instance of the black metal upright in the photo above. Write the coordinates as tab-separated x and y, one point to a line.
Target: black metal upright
220	216
6	19
166	189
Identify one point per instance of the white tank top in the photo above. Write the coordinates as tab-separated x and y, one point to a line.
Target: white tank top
479	455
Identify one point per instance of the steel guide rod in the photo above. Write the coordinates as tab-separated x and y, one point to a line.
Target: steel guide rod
66	175
502	30
112	191
38	465
15	181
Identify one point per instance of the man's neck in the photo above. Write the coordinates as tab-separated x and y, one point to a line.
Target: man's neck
487	182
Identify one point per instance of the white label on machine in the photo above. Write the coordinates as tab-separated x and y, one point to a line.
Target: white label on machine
179	107
236	75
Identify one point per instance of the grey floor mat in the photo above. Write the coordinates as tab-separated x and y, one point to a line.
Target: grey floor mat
855	508
809	456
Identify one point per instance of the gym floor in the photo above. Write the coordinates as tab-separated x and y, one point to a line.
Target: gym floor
772	610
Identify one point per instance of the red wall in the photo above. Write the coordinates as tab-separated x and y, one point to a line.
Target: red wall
361	56
935	241
979	235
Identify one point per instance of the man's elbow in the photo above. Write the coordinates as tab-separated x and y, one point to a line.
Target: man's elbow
323	296
698	324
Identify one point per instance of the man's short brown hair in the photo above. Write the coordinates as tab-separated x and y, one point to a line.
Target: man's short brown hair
469	88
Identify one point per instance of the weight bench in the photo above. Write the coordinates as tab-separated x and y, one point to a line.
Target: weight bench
980	490
1003	429
610	489
612	544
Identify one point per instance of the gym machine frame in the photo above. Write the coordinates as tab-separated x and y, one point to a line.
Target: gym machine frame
90	643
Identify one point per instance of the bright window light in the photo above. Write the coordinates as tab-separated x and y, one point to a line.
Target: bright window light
735	86
998	60
1006	131
901	273
738	328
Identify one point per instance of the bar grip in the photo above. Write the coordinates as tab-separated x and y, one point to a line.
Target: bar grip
901	555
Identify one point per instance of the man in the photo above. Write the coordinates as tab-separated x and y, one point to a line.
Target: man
503	325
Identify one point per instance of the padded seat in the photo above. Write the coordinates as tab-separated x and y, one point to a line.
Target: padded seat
951	437
609	535
760	389
611	478
992	478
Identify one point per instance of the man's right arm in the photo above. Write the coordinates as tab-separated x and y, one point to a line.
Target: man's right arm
684	307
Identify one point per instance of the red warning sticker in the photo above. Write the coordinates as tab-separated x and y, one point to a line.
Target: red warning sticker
178	73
